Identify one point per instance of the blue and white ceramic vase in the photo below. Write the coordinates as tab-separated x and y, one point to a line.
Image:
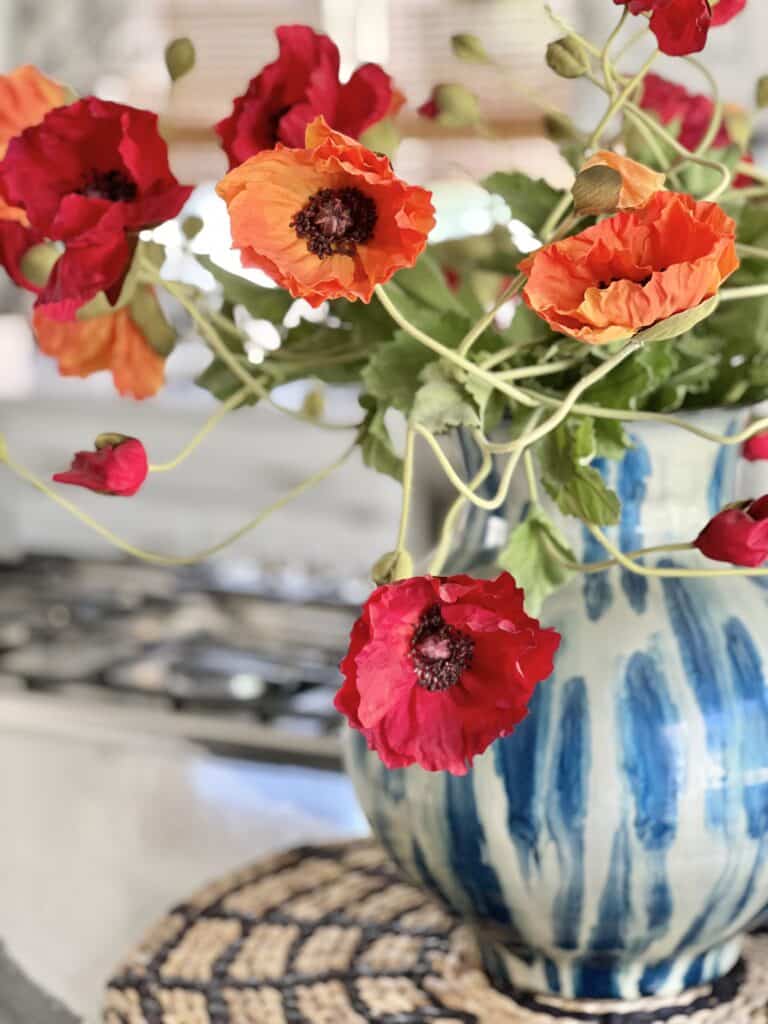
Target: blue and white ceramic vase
616	845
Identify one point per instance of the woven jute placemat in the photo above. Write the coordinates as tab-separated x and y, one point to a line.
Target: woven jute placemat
333	935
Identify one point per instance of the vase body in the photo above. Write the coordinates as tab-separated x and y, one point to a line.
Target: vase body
616	844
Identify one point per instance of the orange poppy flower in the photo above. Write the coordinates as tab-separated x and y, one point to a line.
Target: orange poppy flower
633	269
638	182
326	222
112	341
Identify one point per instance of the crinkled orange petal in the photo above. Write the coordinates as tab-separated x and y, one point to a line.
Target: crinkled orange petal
137	370
639	182
110	342
26	96
632	270
81	347
265	193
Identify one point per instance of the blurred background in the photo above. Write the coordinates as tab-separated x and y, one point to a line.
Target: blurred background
157	727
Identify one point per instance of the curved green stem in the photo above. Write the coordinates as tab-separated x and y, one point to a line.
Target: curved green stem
448	353
485	321
752	291
618	103
466	490
609	563
205	430
717	111
449	523
405	509
152	556
642	570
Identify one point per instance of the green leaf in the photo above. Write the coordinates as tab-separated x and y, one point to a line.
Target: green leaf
148	315
531	556
392	376
263	303
526	328
375	442
223	383
441	403
530	200
426	282
611	440
491	404
634	379
577	489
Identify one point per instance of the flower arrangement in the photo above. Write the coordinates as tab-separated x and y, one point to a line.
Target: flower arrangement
646	293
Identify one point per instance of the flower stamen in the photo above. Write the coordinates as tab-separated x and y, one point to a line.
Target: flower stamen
113	185
439	652
335	221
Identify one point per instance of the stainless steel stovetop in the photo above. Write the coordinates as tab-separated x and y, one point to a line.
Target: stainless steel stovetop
241	659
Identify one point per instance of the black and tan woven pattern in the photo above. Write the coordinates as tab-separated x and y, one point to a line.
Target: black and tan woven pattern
332	935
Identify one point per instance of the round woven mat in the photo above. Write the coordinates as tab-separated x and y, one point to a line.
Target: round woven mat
332	935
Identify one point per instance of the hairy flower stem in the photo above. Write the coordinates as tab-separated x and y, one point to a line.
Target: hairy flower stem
154	557
210	424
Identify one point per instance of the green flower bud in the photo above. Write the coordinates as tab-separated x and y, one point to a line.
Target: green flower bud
394	565
761	92
596	190
109	441
468	47
179	57
37	262
192	226
313	405
567	57
456	105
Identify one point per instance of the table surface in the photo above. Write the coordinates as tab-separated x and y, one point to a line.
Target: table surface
105	829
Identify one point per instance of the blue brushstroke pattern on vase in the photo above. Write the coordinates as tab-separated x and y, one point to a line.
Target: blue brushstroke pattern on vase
616	844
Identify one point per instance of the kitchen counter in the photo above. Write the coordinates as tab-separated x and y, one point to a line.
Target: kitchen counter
105	827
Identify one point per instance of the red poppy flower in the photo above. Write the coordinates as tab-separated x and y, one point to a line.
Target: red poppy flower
438	668
91	175
633	269
681	26
112	341
119	466
26	96
301	84
756	448
738	534
691	111
328	221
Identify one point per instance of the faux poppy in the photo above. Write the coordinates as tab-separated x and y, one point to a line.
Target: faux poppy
681	26
110	342
633	269
328	221
26	96
438	668
691	112
301	84
118	466
638	182
91	175
756	448
738	535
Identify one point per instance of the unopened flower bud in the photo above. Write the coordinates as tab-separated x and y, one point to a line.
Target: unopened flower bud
38	261
313	405
567	57
739	125
179	57
453	105
393	566
761	92
596	190
109	440
191	226
468	47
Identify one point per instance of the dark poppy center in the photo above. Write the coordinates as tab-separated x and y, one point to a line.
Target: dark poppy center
335	221
439	652
115	186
